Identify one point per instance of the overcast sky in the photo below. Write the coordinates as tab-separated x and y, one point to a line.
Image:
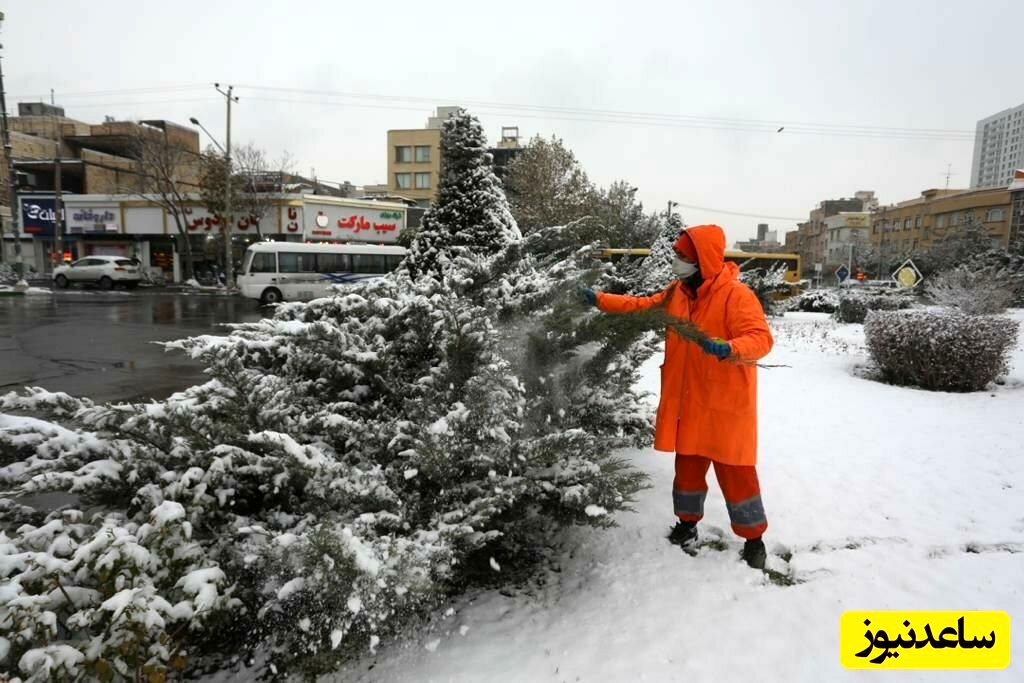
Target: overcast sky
817	68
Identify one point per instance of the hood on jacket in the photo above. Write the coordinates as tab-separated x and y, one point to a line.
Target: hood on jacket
709	240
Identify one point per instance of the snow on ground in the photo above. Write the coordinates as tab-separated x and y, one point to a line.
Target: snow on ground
30	291
887	498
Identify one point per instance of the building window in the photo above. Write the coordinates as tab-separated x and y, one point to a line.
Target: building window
422	153
992	215
422	181
940	220
917	221
403	181
906	224
403	155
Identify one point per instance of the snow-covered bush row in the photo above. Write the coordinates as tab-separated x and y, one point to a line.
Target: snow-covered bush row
349	463
854	307
940	350
974	292
813	301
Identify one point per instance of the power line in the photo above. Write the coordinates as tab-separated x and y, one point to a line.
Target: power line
739	213
572	114
771	125
654	123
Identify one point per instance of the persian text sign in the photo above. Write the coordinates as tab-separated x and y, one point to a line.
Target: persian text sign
83	219
924	640
329	222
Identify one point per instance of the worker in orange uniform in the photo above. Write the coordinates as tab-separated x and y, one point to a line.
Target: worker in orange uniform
708	408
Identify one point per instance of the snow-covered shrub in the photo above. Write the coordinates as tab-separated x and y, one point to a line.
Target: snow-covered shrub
939	350
7	274
349	463
854	306
813	301
974	292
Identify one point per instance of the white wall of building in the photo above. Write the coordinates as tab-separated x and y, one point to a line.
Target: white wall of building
998	148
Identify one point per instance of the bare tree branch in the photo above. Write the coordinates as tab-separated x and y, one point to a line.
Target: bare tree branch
166	174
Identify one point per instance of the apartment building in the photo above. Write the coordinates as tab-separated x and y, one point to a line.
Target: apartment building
414	159
998	148
811	238
916	225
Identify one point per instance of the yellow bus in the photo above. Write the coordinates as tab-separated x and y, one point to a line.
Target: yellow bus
744	259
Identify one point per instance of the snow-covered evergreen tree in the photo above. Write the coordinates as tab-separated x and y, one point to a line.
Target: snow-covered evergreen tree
349	463
470	218
654	273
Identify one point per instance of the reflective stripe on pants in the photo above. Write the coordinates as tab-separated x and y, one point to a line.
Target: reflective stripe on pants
739	485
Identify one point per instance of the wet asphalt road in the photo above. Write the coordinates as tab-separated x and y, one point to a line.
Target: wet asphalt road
98	344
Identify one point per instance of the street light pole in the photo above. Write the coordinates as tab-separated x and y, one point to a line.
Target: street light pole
229	269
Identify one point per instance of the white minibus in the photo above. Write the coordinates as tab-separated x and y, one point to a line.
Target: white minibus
288	271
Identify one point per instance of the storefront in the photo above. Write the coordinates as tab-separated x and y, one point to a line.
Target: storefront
131	226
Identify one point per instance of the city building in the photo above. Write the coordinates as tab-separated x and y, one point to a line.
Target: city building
998	148
1016	190
916	225
846	234
93	159
811	240
767	241
414	159
507	149
133	226
792	241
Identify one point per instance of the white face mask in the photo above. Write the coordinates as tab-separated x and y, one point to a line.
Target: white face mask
682	269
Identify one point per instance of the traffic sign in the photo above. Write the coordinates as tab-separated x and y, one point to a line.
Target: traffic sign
842	272
907	275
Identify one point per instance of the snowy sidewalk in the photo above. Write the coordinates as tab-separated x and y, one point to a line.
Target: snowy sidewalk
887	498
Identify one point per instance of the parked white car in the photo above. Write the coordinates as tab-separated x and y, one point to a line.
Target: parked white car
103	271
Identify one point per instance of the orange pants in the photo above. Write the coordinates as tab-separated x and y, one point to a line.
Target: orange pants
739	486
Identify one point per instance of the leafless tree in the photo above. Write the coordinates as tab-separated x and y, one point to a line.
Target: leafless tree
263	183
166	174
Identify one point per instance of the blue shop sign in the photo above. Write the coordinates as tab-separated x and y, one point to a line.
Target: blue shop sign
37	215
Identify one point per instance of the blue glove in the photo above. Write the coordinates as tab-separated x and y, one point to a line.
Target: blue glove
587	295
719	348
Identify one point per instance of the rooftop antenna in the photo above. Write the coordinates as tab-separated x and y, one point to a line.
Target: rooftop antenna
949	168
52	101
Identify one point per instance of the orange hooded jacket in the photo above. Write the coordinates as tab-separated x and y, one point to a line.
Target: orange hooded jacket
708	407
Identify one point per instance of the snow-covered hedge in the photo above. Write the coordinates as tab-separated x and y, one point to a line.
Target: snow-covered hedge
813	301
349	464
939	350
854	307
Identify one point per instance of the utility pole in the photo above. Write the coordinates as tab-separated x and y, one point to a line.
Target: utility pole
58	224
12	183
229	268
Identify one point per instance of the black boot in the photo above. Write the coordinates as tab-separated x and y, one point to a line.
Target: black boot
684	535
754	553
